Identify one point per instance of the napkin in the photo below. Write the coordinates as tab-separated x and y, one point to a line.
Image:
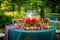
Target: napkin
7	30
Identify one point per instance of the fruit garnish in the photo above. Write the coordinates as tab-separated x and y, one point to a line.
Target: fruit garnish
41	26
16	25
38	27
35	28
26	28
49	27
37	19
44	25
31	27
46	20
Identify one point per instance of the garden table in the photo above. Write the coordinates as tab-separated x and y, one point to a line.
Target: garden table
20	34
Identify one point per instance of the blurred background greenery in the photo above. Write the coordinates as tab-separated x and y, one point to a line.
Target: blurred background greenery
10	9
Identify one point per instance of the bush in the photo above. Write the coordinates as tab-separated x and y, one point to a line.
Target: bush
5	20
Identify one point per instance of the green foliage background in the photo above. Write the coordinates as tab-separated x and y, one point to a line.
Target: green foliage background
10	9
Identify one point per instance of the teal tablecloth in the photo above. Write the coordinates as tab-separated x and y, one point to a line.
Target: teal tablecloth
20	34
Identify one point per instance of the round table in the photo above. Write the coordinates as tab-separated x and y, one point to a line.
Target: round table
20	34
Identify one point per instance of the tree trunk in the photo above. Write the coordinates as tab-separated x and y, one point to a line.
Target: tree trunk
42	13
